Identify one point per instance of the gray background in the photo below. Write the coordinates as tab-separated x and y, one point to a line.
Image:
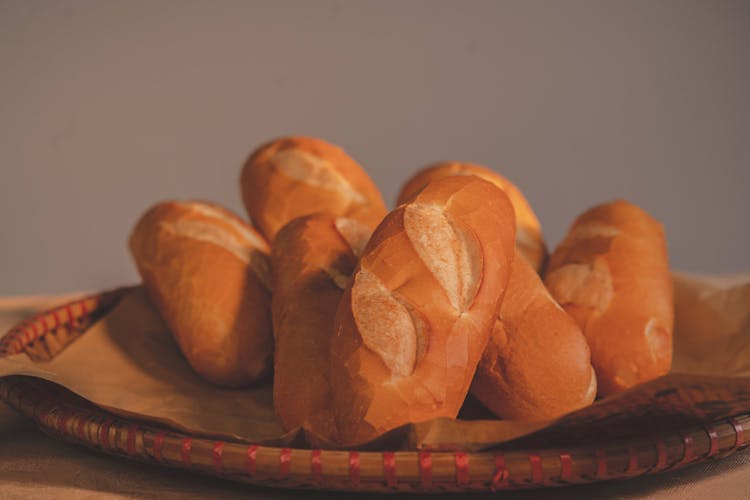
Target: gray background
108	107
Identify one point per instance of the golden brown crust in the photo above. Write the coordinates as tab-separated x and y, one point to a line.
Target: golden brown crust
611	273
207	272
412	326
295	176
537	364
312	263
529	237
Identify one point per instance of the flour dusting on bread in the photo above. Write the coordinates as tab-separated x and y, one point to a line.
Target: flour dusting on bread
314	171
451	253
384	323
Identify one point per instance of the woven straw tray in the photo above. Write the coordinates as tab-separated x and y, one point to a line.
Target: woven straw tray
68	417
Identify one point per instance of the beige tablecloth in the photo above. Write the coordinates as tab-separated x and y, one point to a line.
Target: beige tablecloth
33	465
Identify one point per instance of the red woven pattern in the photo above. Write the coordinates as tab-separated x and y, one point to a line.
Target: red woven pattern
81	429
158	444
69	310
120	437
285	461
537	473
132	430
367	471
65	316
62	423
26	333
739	439
566	467
216	454
185	448
354	468
252	457
104	433
713	441
425	469
462	468
389	467
316	465
501	477
56	317
687	445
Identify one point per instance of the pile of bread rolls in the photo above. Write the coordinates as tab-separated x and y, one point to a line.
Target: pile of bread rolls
370	319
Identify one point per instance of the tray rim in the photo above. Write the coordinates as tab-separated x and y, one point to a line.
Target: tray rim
374	471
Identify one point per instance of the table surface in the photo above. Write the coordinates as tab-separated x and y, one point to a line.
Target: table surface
34	465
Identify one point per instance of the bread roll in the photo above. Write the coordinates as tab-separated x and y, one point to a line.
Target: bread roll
313	258
295	176
208	274
612	275
413	323
528	229
537	364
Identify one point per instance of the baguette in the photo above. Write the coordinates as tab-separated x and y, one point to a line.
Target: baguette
537	364
528	229
313	258
295	176
611	274
412	325
207	272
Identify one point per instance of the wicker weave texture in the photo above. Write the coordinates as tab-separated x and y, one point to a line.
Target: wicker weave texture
72	419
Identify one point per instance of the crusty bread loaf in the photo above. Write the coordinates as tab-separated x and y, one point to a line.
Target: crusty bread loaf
295	176
537	364
611	274
528	229
413	323
313	258
208	274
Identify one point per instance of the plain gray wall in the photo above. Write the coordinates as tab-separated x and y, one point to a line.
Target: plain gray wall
108	107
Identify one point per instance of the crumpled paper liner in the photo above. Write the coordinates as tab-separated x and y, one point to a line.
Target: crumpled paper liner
129	364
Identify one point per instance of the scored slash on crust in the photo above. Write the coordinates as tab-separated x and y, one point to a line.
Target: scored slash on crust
315	171
385	324
450	252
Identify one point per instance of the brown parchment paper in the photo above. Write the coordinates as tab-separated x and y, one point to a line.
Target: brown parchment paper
129	364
